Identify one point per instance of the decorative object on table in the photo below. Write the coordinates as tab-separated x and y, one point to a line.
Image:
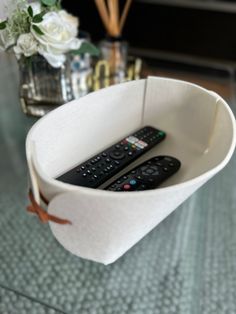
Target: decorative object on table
81	70
114	49
44	39
100	76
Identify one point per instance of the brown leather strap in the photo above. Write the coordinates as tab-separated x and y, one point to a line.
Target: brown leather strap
43	215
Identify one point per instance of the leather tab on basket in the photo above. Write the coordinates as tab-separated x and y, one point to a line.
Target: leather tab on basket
43	215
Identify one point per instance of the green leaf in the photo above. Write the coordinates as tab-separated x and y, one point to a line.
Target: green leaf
37	30
30	11
87	47
3	25
43	13
37	18
49	3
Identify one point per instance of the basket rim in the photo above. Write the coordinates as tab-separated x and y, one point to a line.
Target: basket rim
97	192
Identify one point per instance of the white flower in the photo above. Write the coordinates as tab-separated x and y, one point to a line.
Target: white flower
71	20
5	39
26	45
58	38
36	7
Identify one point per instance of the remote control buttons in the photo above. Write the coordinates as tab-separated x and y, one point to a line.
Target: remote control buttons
132	182
132	139
117	154
126	187
109	162
141	144
161	133
150	170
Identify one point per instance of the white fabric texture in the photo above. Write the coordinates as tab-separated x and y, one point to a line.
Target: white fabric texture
200	131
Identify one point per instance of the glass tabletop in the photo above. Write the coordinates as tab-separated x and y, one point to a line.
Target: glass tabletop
185	265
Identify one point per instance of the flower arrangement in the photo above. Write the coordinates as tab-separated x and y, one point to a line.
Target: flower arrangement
43	28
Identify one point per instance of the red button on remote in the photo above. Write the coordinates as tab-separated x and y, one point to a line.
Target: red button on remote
126	186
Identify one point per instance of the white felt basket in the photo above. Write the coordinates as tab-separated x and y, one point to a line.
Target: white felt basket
200	130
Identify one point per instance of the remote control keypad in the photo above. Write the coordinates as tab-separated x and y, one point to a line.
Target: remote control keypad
146	176
106	164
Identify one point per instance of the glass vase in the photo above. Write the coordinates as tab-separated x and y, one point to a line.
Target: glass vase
42	87
114	51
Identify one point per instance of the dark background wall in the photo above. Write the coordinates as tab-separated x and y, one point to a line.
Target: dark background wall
200	32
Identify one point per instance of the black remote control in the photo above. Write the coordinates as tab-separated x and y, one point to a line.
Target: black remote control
146	176
106	164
